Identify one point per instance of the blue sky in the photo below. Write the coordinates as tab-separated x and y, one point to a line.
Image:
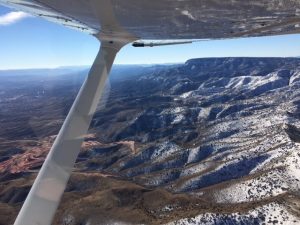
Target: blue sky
30	42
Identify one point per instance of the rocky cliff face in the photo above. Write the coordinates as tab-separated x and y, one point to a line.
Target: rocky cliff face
211	141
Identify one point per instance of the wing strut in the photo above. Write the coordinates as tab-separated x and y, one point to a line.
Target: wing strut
44	197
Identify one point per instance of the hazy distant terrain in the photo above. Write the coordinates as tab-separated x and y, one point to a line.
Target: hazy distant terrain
211	141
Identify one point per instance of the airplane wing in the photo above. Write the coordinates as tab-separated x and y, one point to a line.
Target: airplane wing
169	19
116	23
37	9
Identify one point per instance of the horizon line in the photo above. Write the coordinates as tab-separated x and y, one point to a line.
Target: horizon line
140	64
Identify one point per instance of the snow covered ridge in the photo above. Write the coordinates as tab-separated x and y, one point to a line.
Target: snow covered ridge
225	136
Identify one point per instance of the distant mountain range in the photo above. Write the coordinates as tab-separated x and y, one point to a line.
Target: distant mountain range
210	141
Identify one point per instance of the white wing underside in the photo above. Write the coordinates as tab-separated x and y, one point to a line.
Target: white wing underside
169	19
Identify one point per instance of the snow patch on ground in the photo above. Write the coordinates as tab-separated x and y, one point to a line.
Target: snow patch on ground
272	213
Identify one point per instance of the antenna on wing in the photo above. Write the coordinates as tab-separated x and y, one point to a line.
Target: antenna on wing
154	43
